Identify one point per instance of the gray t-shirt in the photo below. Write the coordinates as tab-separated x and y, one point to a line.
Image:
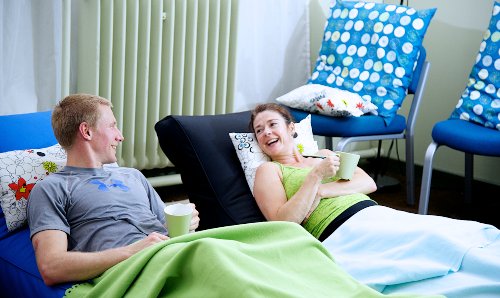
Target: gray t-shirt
97	208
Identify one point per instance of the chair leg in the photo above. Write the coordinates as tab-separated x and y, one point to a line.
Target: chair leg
410	171
329	143
426	178
379	162
469	173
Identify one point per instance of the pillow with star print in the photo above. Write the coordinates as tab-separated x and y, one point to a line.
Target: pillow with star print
372	49
325	100
20	170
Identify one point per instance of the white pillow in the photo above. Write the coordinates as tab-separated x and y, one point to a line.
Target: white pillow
20	170
251	156
325	100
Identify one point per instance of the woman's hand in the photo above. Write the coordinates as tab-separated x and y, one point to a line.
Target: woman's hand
328	167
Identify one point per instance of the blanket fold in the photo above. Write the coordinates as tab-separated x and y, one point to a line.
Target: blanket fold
268	259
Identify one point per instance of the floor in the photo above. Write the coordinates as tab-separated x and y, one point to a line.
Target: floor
446	197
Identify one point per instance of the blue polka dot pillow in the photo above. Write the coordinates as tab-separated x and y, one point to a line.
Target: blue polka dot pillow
480	101
372	49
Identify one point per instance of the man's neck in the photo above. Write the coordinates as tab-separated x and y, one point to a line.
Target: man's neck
81	159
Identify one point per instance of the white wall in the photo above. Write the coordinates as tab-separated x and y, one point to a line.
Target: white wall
452	42
273	50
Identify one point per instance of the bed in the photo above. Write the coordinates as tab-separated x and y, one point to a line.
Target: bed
206	263
212	175
214	180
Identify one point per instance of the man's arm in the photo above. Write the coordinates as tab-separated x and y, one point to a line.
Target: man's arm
58	265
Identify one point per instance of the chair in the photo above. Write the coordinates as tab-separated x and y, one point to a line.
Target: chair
474	125
373	128
468	137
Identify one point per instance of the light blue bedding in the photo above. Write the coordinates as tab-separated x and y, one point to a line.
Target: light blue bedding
396	251
478	277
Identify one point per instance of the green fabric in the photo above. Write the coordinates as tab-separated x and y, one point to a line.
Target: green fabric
328	209
268	259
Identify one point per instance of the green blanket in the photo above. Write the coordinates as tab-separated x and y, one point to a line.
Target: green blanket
268	259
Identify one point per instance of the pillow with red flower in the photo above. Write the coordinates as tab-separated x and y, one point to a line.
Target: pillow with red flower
20	170
325	100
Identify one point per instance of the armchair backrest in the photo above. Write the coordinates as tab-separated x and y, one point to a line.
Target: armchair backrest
417	87
26	131
203	153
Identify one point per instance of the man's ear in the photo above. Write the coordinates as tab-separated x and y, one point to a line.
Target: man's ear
84	130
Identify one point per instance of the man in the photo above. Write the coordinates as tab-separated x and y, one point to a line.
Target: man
91	216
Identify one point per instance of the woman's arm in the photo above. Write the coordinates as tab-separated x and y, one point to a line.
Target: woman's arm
271	197
58	265
361	182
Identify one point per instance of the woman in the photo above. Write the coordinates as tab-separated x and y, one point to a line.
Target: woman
290	188
380	246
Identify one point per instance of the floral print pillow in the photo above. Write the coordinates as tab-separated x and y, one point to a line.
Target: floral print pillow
20	170
329	101
251	156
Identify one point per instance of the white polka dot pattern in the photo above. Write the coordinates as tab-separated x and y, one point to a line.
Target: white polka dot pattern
371	49
480	101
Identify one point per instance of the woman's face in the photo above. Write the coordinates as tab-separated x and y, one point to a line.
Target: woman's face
273	134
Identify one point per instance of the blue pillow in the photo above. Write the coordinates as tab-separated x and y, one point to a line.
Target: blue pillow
372	49
480	101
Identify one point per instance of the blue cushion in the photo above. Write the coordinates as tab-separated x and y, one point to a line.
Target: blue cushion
26	131
467	137
480	101
351	126
20	275
371	49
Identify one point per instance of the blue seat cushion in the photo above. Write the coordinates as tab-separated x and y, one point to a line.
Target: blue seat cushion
467	137
20	275
365	125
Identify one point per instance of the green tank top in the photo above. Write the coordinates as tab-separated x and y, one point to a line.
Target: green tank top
327	210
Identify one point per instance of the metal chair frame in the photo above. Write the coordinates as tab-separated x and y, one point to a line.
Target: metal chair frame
408	134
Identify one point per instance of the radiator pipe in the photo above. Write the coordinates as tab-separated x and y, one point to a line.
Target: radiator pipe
165	180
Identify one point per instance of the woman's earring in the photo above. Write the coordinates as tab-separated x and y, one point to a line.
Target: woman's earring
295	135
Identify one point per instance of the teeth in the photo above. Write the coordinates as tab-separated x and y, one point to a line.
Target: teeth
272	141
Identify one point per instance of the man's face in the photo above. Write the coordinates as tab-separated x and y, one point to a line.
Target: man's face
106	136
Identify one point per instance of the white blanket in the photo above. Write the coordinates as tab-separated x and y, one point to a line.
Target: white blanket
389	250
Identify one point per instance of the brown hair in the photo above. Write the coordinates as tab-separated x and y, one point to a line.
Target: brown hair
73	110
270	107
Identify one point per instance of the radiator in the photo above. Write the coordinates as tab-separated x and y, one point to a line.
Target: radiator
153	58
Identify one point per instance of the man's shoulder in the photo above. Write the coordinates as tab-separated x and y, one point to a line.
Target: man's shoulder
113	168
52	178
